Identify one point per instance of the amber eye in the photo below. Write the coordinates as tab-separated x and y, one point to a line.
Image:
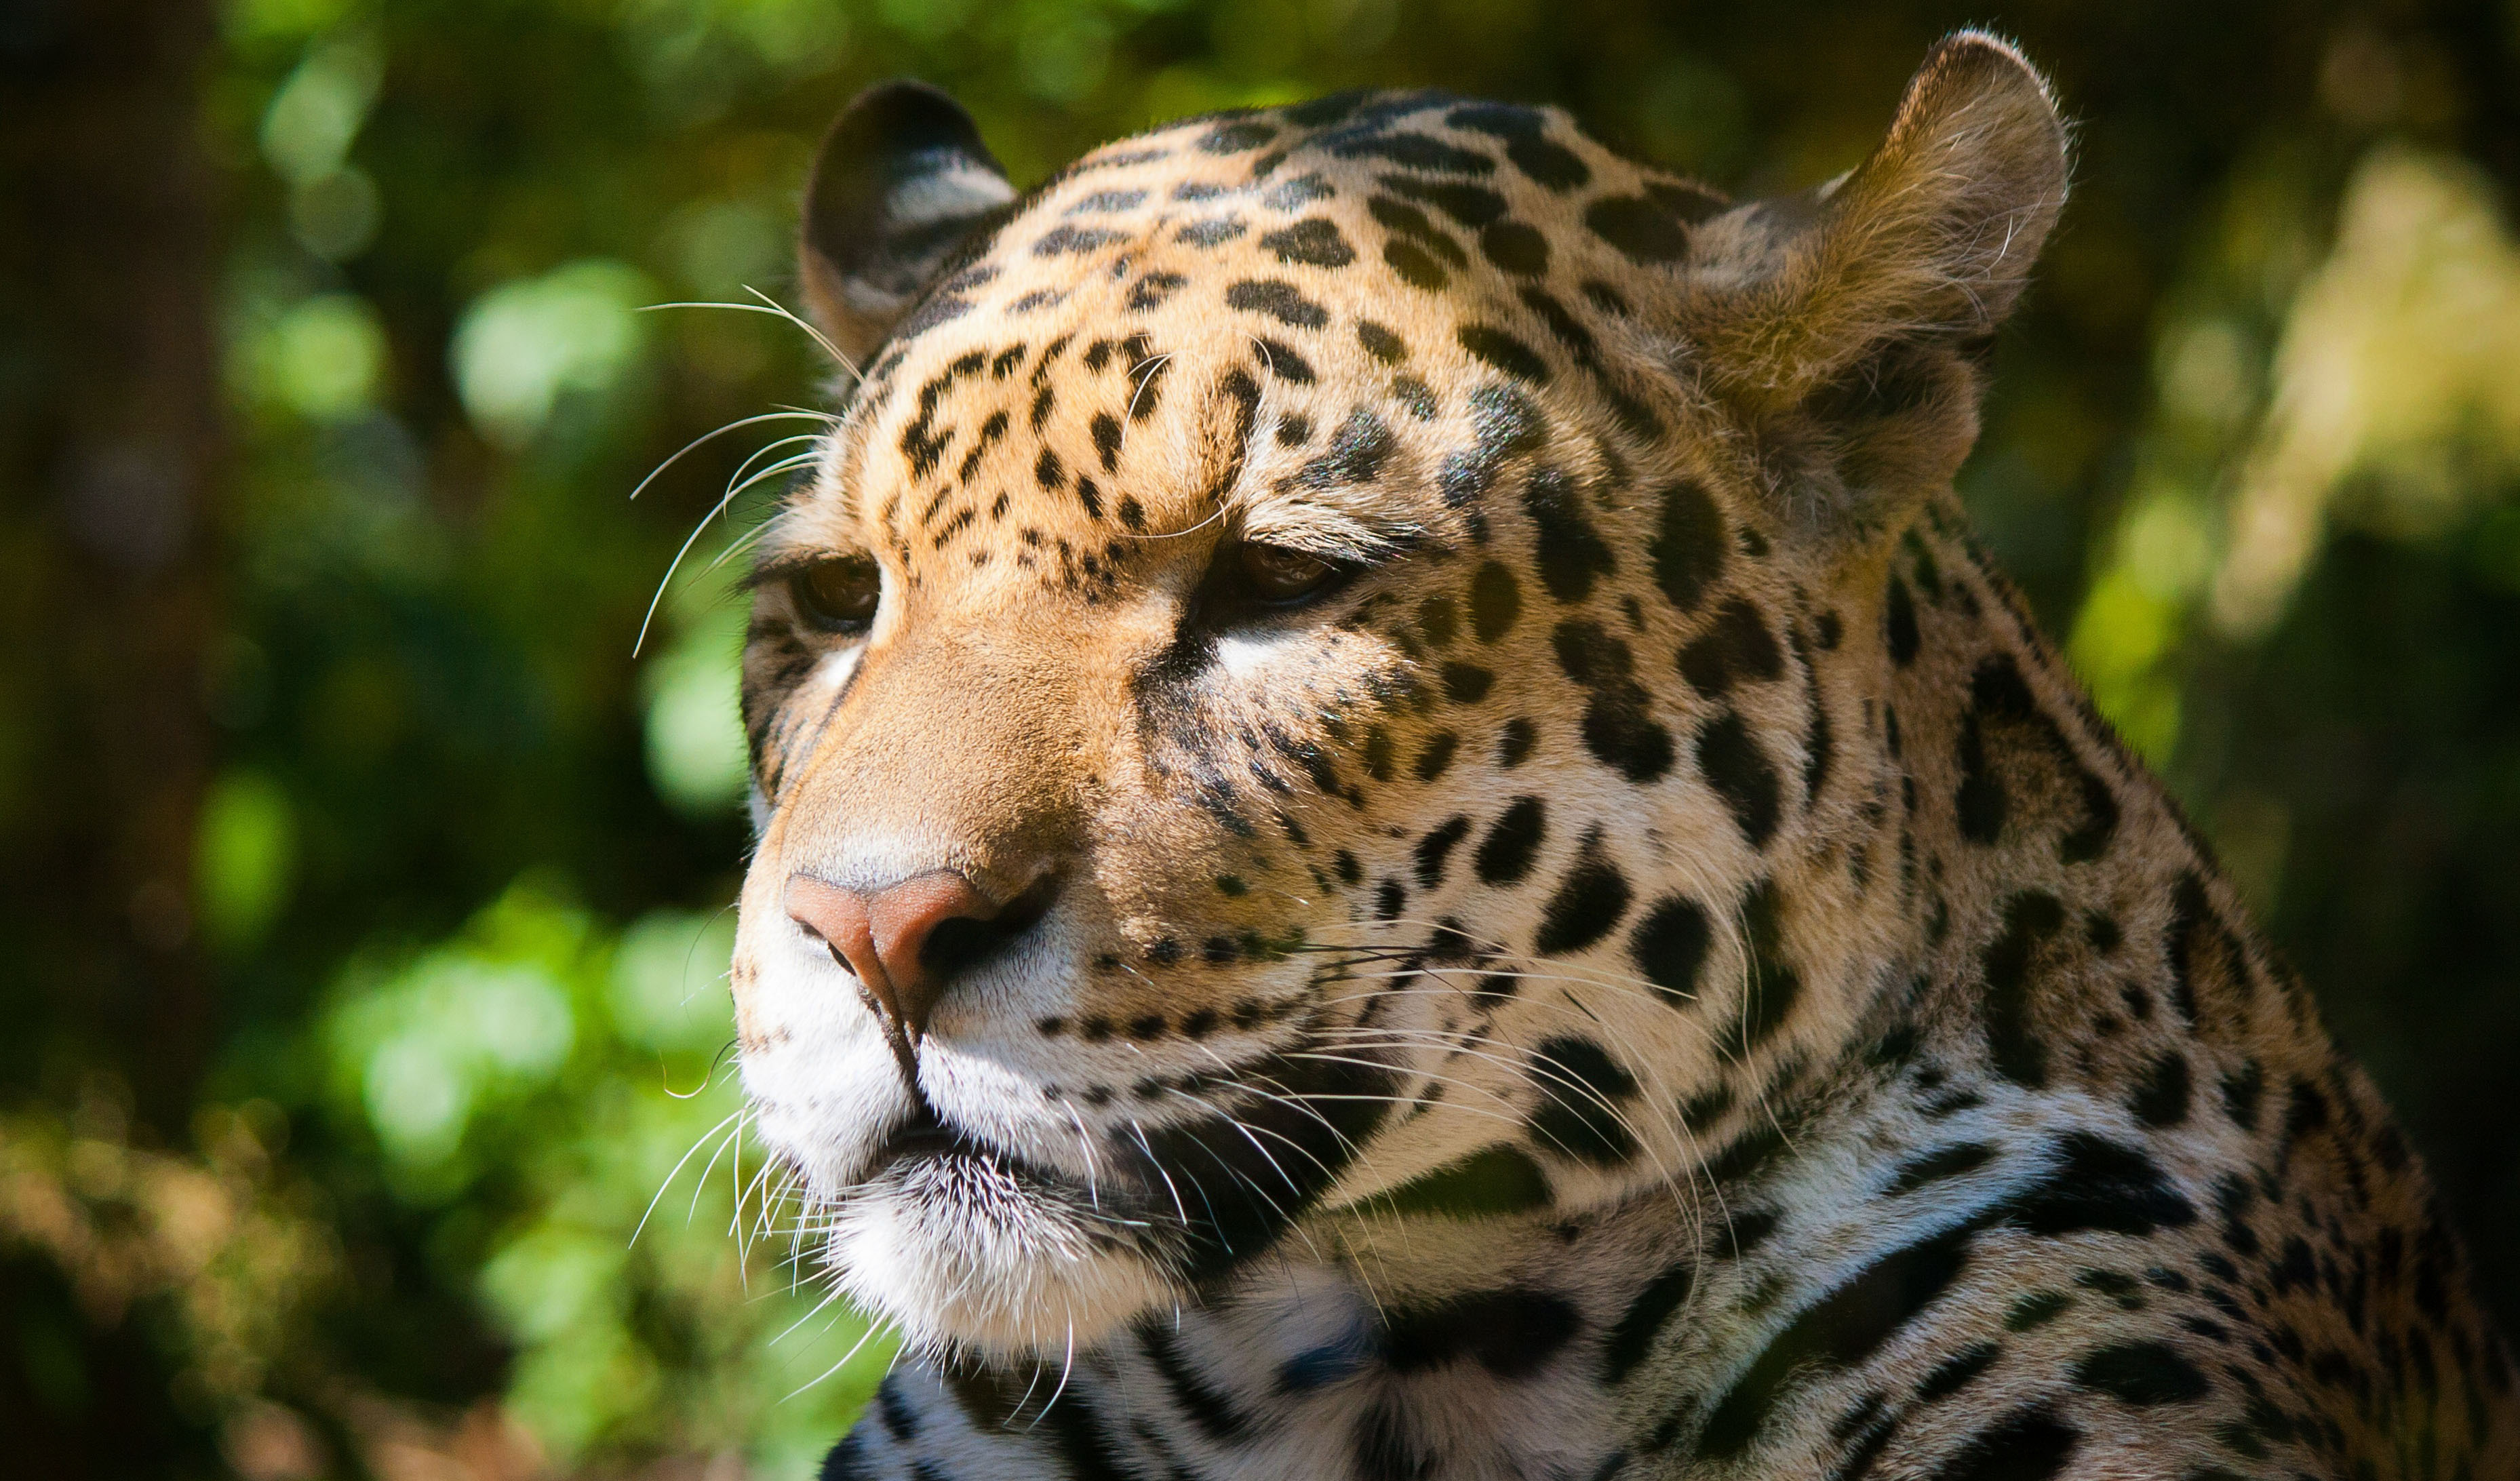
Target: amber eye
1276	576
838	595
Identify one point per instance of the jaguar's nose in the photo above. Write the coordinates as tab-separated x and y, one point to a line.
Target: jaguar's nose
905	941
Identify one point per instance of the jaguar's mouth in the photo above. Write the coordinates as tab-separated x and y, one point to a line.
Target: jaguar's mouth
923	1136
948	1171
964	1243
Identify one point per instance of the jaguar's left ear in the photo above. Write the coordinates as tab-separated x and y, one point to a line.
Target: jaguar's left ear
901	182
1847	323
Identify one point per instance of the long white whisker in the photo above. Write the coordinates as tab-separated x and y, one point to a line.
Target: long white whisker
696	1144
649	618
710	436
782	311
773	308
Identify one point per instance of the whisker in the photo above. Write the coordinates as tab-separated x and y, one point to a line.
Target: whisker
775	310
678	1168
650	618
735	426
782	311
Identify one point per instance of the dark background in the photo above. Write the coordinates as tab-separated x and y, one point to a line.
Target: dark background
361	898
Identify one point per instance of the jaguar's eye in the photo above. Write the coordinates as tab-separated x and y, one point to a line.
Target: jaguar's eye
1276	576
840	594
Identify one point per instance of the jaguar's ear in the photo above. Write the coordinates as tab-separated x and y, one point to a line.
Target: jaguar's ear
1859	310
899	183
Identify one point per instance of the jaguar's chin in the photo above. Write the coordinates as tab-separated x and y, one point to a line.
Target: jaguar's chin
967	1248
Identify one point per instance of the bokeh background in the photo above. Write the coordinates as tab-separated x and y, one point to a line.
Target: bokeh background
364	901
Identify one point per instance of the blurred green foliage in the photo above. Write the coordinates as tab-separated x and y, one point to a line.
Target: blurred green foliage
463	869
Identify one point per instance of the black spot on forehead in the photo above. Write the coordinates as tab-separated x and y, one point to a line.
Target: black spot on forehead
1411	150
1647	232
1411	223
1150	291
1237	387
1340	107
1549	164
1120	159
1356	453
1503	352
1304	189
1215	232
1500	121
2163	1097
1145	379
1312	242
1440	619
1472	205
1504	422
937	308
1106	201
1380	342
1201	190
1236	137
1277	299
1955	1372
1282	361
1075	240
1689	203
1415	266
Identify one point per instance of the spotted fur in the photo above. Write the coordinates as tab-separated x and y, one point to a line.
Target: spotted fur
1659	969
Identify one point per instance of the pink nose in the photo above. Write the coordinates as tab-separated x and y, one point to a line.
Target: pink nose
888	938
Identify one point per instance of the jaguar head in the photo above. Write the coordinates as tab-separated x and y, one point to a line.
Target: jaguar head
1303	641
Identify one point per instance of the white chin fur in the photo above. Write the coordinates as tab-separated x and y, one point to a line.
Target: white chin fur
958	1255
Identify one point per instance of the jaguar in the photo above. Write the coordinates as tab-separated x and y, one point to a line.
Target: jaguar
1401	834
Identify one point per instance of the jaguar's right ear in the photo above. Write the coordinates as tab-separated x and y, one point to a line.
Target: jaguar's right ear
899	183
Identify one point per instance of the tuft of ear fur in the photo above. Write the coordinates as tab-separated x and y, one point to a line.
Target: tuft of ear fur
1931	238
899	184
1846	324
